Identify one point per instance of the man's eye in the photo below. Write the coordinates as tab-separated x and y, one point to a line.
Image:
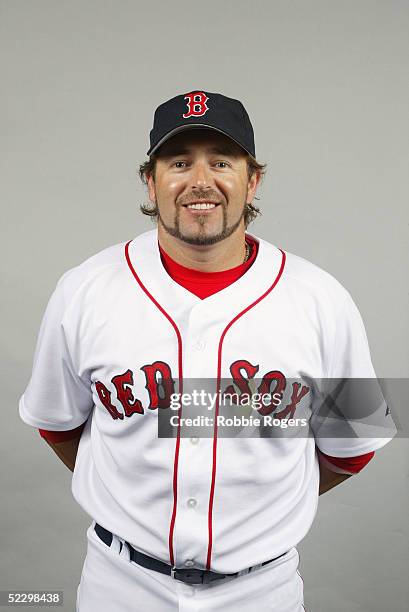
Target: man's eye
179	162
225	164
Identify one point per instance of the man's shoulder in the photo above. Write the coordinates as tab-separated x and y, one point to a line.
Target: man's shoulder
108	258
304	271
102	266
113	256
308	278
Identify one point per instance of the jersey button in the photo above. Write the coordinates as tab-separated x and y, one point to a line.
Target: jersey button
189	563
194	440
192	503
200	344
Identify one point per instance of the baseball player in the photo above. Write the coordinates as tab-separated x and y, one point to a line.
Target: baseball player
198	523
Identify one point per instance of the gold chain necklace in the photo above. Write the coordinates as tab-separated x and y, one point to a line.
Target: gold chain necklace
248	251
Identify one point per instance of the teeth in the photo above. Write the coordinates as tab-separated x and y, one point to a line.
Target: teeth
202	206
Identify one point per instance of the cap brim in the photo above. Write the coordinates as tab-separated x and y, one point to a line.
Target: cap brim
191	126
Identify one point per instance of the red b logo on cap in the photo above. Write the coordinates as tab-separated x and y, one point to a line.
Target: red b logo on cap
196	103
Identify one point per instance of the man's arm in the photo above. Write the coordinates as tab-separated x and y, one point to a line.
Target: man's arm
334	470
64	444
329	479
66	451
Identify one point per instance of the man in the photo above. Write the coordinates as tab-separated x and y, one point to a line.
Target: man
205	522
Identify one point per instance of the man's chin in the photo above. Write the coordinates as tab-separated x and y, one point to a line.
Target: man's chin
201	236
200	239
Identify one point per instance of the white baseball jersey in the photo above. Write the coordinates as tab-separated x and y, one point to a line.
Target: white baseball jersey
117	322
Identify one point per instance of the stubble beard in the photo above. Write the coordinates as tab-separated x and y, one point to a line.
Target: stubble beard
201	239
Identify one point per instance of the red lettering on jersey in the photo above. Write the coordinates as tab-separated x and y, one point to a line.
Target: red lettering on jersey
105	397
238	378
264	388
295	399
131	404
196	103
166	384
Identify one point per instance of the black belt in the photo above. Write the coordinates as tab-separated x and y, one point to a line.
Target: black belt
189	576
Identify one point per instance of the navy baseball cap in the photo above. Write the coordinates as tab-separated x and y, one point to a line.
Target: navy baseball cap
202	109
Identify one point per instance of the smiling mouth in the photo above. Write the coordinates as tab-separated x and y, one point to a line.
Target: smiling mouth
202	205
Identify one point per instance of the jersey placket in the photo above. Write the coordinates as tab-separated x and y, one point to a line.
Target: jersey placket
195	461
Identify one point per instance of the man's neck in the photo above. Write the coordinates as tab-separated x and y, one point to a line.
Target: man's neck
223	255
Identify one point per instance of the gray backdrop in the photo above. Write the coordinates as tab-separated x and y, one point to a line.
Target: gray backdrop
325	83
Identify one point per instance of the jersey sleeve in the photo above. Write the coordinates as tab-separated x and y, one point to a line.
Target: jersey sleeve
61	436
350	415
57	397
345	465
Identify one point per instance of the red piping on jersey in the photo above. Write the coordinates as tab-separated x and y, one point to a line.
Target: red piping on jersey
176	459
219	367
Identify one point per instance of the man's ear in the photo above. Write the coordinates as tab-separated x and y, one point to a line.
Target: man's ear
151	189
252	186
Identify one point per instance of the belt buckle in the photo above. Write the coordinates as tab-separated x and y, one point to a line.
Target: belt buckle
188	576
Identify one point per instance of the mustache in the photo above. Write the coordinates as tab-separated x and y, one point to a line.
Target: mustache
204	196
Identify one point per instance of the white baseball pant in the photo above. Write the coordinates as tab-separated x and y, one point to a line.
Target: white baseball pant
110	581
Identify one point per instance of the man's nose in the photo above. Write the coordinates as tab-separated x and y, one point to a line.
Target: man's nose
201	176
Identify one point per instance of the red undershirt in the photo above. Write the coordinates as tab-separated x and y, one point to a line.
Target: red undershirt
204	284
